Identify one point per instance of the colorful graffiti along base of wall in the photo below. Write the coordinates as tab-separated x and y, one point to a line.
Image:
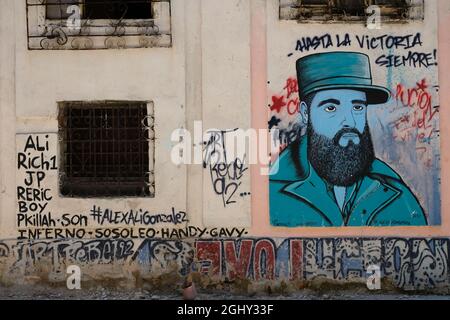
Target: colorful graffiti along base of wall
407	263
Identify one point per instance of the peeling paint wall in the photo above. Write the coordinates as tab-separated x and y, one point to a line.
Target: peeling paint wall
231	66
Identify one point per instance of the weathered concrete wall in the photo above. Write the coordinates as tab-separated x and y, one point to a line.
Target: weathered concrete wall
226	63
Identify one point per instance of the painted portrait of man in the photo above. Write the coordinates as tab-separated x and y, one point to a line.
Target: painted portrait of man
330	176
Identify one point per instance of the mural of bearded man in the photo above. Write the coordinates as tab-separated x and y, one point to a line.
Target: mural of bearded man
330	176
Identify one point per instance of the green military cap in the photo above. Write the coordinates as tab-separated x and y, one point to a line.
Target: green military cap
339	70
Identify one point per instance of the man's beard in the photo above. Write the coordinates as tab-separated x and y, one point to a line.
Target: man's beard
340	166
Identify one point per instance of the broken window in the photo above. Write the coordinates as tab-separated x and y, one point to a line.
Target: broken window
106	149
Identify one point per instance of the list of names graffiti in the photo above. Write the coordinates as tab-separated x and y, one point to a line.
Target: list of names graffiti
34	162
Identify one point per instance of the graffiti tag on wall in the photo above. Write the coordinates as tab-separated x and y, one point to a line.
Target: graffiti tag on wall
417	263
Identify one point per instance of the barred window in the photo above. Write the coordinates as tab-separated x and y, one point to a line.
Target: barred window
100	9
348	10
98	24
106	149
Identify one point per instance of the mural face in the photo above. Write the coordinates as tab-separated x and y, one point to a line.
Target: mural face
329	175
335	110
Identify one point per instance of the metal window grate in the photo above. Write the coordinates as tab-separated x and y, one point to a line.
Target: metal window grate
105	149
336	7
350	10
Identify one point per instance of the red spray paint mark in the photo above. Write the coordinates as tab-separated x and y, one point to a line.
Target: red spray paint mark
289	98
418	123
419	100
277	103
291	87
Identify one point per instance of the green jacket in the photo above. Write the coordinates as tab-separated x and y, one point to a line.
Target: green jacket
299	197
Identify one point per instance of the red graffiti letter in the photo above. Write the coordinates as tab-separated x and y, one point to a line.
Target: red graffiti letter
296	259
291	87
211	253
238	265
269	261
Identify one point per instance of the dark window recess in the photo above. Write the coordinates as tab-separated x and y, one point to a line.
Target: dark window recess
118	9
101	9
392	3
105	150
57	9
315	2
350	7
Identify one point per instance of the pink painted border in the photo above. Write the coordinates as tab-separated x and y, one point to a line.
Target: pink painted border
259	186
